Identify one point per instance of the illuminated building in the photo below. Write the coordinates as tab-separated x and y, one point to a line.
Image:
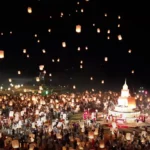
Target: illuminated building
125	109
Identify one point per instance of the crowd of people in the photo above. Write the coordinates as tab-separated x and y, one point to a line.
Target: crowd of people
31	121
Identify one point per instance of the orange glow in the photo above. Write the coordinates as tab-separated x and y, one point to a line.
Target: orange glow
131	102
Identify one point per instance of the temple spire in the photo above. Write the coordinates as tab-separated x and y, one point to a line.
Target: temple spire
125	81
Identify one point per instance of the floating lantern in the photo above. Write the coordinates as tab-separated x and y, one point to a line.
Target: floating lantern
129	51
98	30
128	136
41	67
119	37
37	79
24	51
105	14
59	136
19	72
118	26
15	144
1	54
58	60
106	58
10	80
91	135
74	87
49	30
102	144
78	28
102	81
63	44
119	17
108	31
29	9
44	51
78	48
81	66
108	37
132	71
91	78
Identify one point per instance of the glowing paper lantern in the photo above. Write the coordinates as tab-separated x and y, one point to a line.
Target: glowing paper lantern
10	80
78	28
102	81
29	9
58	60
129	51
118	26
91	135
19	72
108	31
91	78
128	136
132	71
81	66
102	144
98	30
74	87
37	79
78	48
41	67
63	44
24	51
105	14
1	54
119	37
59	136
106	58
15	144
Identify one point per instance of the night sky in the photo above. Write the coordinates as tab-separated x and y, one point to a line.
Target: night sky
134	29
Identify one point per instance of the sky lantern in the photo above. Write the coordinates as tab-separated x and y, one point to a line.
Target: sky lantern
82	10
119	17
1	54
35	35
91	78
10	80
86	48
24	51
78	28
102	81
105	14
49	30
129	51
44	51
106	58
15	144
132	71
74	87
28	55
81	62
19	72
108	31
10	32
63	44
37	79
98	30
118	25
44	71
41	67
53	60
50	74
119	37
78	48
108	37
58	60
29	9
93	24
101	144
78	3
38	41
81	66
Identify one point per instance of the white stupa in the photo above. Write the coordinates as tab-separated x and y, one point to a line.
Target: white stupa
125	109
